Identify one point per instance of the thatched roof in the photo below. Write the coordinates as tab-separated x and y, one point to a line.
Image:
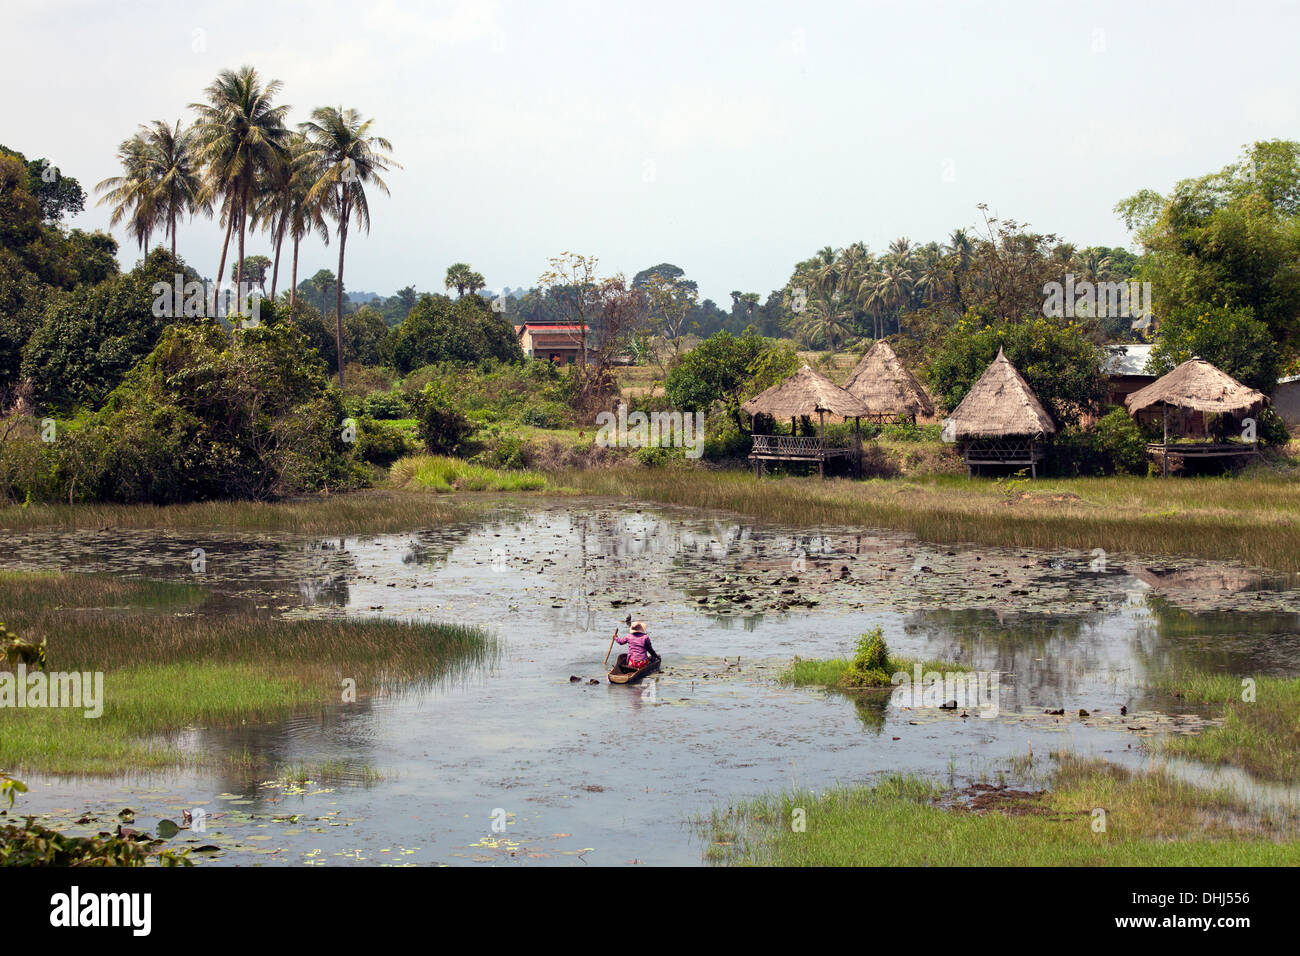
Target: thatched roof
886	387
1199	386
806	393
1000	405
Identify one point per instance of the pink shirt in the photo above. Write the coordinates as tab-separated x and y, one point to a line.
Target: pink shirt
635	647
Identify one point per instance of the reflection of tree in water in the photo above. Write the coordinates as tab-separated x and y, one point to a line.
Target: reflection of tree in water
1235	642
871	707
329	568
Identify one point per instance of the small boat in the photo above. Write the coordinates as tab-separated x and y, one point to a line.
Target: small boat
622	674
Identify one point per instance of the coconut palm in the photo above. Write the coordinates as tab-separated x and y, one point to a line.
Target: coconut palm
239	136
827	319
346	158
132	194
178	184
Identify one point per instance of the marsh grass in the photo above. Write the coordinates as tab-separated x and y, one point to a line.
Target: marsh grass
1261	736
440	474
164	673
834	673
1254	518
375	511
1151	819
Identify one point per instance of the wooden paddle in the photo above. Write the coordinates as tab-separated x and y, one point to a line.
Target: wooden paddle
611	642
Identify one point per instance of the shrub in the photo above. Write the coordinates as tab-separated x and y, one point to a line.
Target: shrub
870	665
380	444
386	405
1118	439
440	425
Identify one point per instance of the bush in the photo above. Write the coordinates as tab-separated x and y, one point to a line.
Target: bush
870	665
380	444
544	415
386	405
1118	440
440	425
1271	429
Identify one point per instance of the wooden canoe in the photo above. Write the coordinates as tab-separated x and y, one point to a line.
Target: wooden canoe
620	673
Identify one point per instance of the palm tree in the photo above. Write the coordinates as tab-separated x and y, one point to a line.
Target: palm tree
174	169
827	320
302	214
346	158
239	136
133	194
458	277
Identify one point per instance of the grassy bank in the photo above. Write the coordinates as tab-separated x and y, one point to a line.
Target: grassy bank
168	666
352	513
441	474
1255	519
1150	819
1261	736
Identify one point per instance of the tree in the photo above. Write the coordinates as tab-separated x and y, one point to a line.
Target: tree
1055	357
826	320
132	194
346	158
1230	339
1229	240
670	300
239	136
255	270
727	369
57	195
463	279
440	329
301	212
173	171
571	282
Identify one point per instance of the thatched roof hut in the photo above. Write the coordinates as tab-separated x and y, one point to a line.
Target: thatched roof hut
1198	386
1000	405
806	393
886	387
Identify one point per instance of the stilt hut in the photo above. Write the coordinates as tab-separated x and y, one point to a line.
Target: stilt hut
1196	392
1000	421
887	388
805	394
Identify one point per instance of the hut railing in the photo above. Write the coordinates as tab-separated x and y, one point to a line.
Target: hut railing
795	446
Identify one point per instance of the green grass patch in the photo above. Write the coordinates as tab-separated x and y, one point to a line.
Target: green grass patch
1151	819
1259	735
441	474
168	672
357	512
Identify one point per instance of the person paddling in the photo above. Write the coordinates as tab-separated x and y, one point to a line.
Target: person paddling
639	648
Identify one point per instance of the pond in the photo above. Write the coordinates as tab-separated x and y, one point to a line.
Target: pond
519	764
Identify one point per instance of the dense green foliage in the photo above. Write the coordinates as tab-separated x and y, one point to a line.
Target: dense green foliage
728	369
1228	243
1231	339
1054	356
440	329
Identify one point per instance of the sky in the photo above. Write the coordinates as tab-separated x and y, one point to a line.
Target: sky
732	139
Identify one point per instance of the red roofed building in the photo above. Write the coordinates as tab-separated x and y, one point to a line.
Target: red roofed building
558	343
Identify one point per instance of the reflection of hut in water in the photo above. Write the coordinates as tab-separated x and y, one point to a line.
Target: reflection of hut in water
803	395
890	392
1207	404
1000	421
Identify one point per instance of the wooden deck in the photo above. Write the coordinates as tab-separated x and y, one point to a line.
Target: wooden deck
798	448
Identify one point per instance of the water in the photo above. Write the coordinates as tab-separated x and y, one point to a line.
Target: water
596	774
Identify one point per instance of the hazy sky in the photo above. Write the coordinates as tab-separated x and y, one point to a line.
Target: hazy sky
730	139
